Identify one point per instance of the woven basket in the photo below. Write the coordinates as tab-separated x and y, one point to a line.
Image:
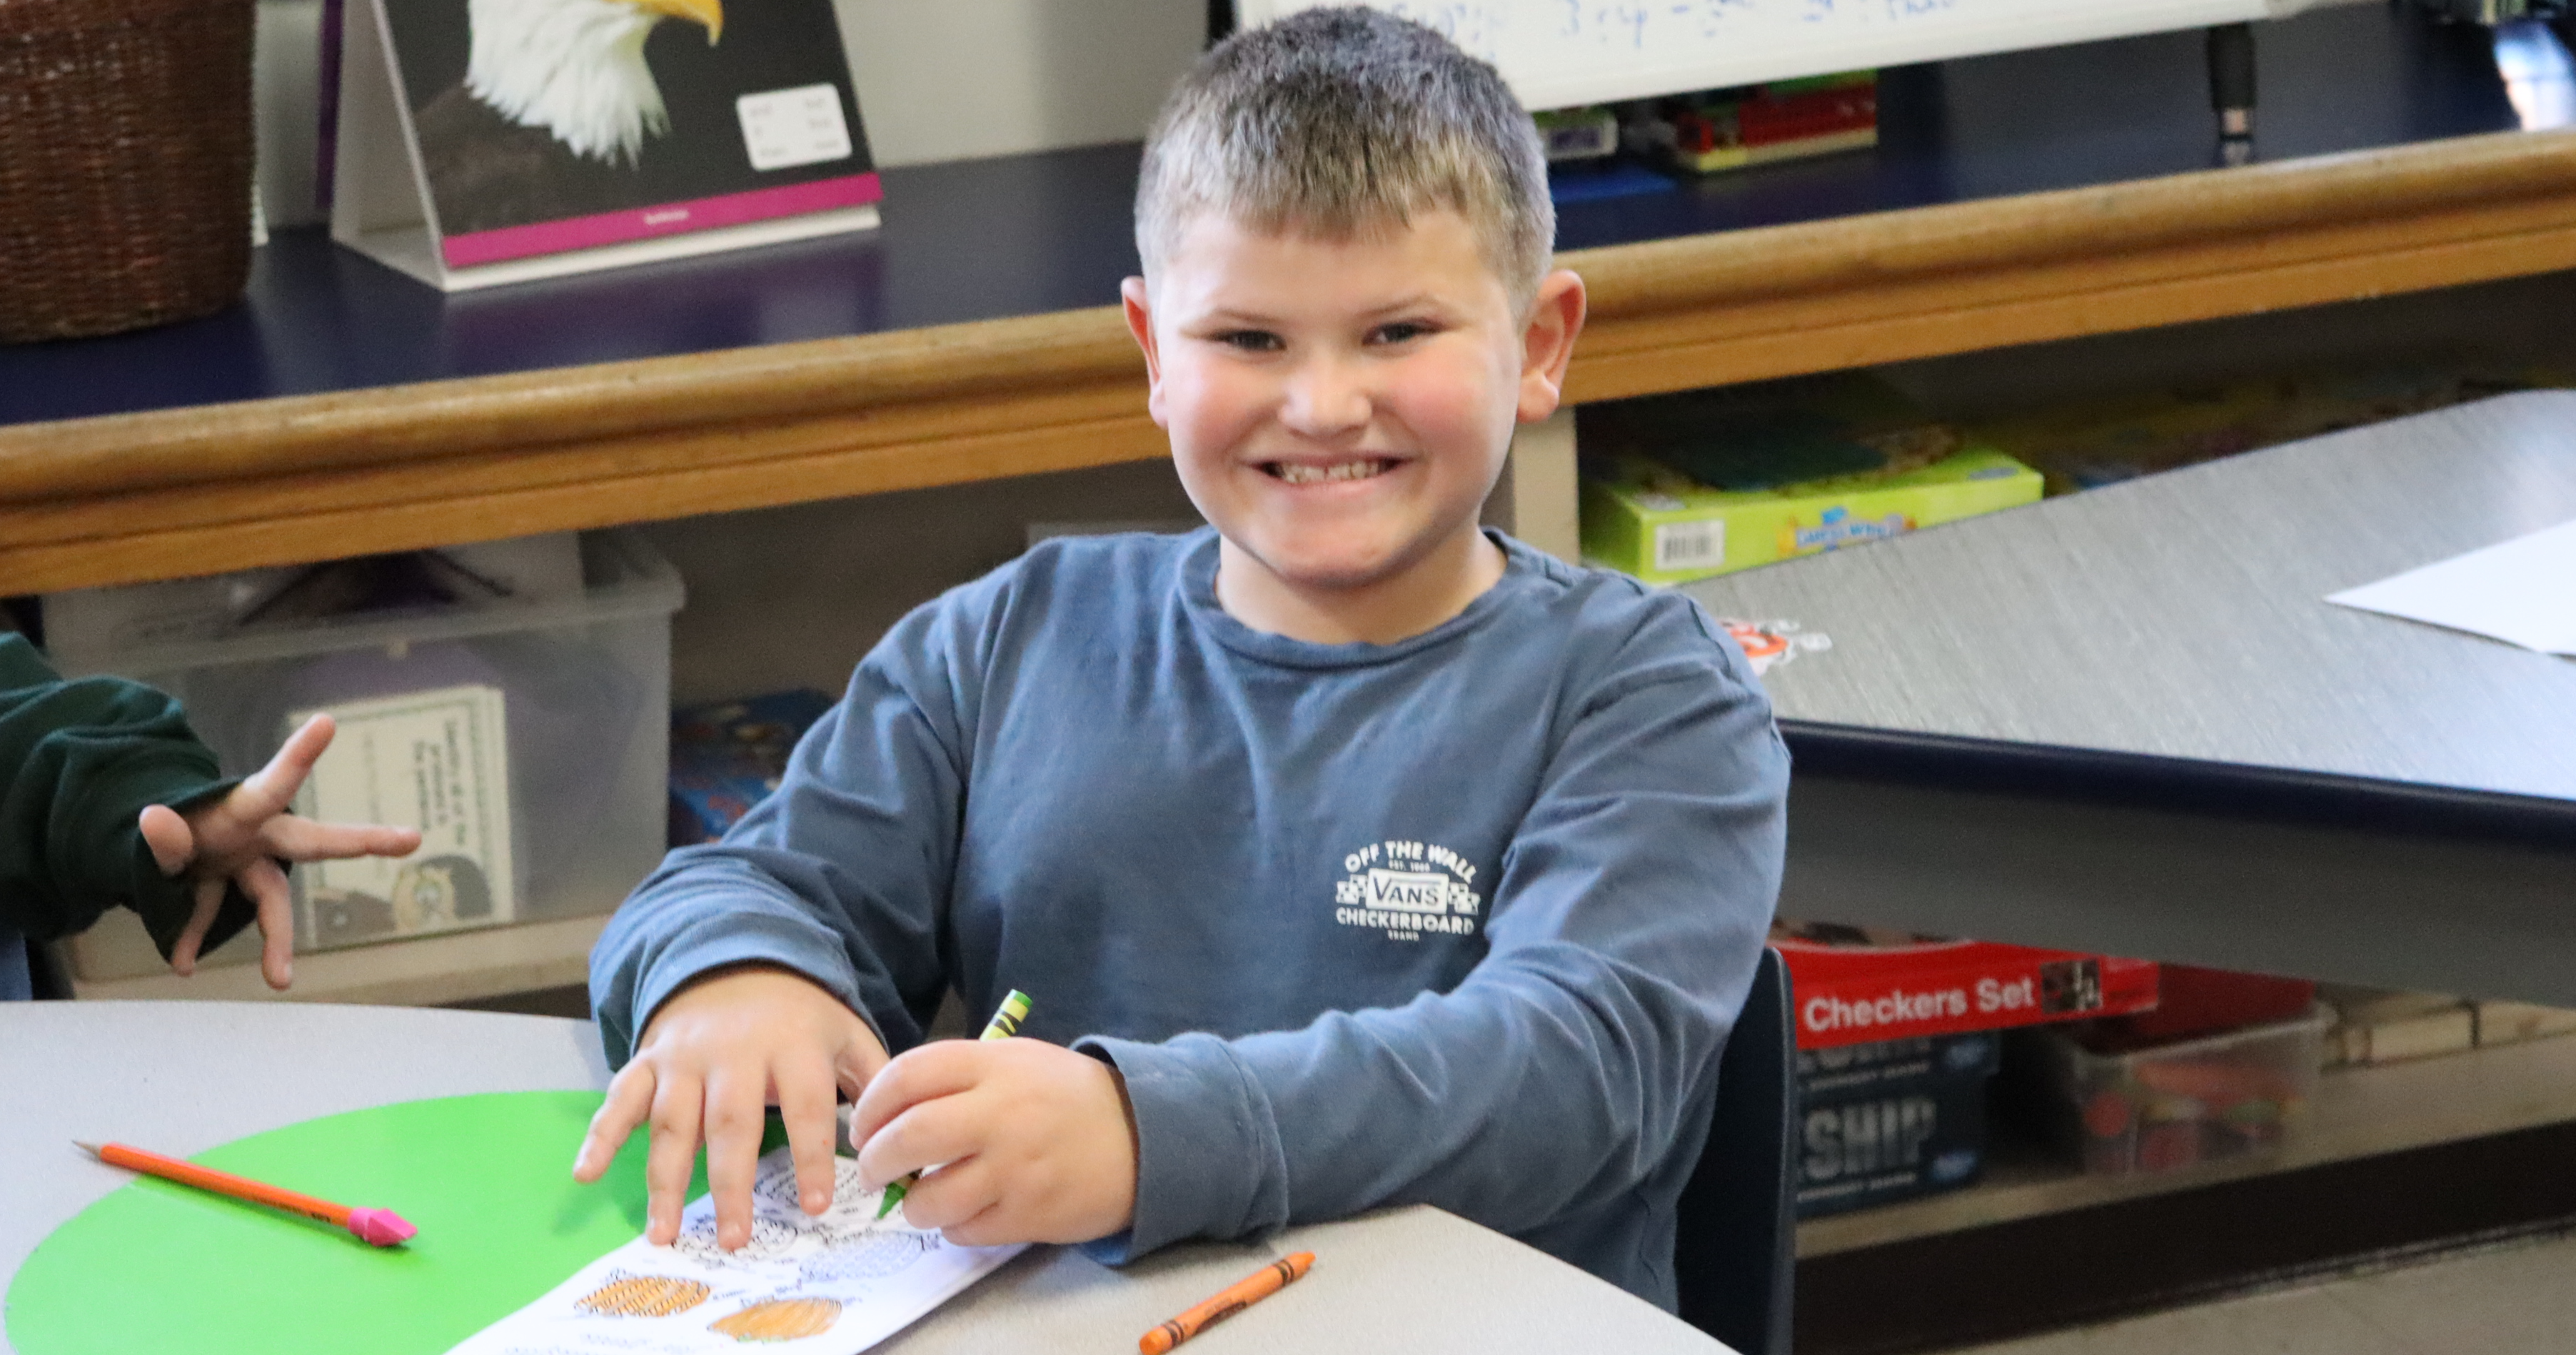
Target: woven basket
125	160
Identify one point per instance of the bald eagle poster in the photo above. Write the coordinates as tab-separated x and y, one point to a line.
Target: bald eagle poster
491	141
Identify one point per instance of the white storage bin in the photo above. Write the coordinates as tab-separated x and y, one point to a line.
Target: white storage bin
581	684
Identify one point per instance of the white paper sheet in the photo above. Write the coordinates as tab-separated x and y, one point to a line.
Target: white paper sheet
2522	592
831	1286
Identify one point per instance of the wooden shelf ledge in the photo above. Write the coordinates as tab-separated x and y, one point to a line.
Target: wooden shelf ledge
1673	314
455	967
174	492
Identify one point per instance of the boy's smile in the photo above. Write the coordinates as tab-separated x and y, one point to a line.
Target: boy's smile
1339	410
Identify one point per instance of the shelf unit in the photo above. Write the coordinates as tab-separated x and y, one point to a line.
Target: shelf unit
2358	1112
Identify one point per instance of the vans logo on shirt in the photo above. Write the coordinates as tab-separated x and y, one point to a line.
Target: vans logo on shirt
1406	889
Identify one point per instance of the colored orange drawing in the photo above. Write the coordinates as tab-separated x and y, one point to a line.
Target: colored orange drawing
779	1320
644	1296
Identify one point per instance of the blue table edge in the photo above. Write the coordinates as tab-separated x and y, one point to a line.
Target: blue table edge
2208	788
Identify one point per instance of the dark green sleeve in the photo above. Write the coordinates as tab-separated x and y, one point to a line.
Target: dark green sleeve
79	760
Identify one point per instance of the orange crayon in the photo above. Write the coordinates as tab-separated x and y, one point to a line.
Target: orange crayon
377	1227
1236	1297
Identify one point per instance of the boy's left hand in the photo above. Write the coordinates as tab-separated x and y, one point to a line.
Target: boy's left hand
240	838
1034	1142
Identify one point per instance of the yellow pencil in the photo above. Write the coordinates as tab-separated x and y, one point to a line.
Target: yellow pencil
1005	1024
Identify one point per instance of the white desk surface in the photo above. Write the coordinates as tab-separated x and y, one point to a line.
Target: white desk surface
2184	615
185	1077
2127	720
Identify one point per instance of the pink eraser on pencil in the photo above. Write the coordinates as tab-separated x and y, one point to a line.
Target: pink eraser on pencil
382	1227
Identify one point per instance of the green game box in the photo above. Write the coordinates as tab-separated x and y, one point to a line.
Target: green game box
1664	527
1680	487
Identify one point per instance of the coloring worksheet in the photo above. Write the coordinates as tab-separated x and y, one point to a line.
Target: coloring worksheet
832	1285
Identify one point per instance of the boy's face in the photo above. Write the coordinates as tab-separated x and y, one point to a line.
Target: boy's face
1340	408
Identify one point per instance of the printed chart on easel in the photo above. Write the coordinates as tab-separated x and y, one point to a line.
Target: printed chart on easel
481	142
840	1282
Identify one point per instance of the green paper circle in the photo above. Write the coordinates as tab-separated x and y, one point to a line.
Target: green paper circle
488	1180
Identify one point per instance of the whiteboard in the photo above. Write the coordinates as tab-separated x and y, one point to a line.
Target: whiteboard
1559	53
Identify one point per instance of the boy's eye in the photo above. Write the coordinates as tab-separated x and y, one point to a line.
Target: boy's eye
1250	340
1399	332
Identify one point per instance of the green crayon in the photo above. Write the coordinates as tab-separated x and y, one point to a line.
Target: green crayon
1005	1024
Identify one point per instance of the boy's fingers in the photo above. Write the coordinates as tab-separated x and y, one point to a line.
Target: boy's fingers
266	885
183	952
630	1099
805	1105
165	831
276	783
951	1195
928	1135
733	1128
993	1227
669	1163
300	839
860	1060
944	1068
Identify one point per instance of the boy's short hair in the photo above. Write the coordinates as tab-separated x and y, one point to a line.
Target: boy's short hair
1342	122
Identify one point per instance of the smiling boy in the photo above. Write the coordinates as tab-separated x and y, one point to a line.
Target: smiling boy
1352	854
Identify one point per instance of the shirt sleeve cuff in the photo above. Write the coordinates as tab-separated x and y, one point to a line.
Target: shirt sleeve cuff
1208	1162
722	939
166	902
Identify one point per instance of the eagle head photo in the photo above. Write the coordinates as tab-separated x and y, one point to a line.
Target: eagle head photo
575	68
530	111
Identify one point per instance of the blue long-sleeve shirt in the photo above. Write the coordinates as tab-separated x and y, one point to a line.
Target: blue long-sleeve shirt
1463	919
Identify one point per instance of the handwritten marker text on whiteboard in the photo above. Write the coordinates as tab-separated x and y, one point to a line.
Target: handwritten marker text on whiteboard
1560	53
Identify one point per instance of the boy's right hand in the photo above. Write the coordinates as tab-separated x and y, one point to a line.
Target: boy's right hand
713	1058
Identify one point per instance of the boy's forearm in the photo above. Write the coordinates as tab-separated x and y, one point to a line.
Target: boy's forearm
714	908
1519	1098
830	876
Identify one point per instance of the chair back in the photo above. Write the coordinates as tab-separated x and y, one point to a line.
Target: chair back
1735	1231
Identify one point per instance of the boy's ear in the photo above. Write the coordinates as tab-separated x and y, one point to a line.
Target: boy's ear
1547	345
1140	322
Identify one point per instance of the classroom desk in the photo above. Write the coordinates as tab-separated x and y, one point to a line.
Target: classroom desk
185	1077
2126	720
2017	198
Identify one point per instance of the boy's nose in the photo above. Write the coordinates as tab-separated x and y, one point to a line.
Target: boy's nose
1325	397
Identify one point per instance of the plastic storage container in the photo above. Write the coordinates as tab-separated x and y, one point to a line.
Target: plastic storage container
580	683
2176	1105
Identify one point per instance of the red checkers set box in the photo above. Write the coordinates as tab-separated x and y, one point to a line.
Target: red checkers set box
1858	986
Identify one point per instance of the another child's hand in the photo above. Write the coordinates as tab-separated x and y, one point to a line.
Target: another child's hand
714	1057
1033	1142
240	838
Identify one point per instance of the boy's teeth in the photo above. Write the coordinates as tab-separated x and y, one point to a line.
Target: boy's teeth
1297	474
